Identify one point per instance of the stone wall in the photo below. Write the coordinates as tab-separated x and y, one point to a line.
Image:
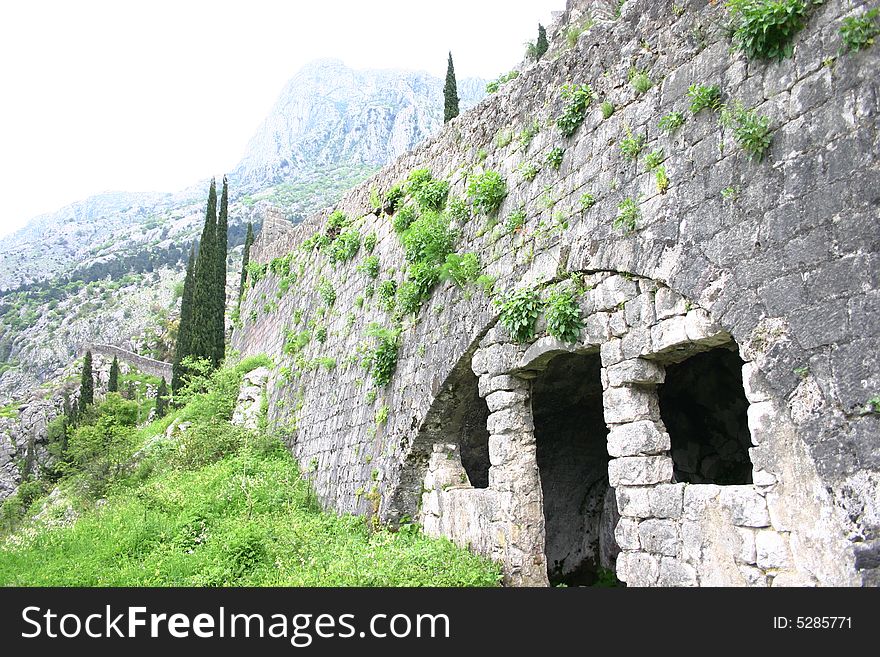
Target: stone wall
146	365
777	259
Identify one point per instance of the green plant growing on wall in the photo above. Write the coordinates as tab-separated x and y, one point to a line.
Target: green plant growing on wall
627	216
639	80
704	96
381	360
554	158
392	198
518	313
461	269
587	200
516	219
765	29
345	246
503	138
321	334
631	145
382	416
578	99
563	315
327	291
370	242
486	191
729	194
495	85
858	32
294	341
661	178
370	266
386	295
528	170
653	159
527	134
375	199
671	122
607	109
751	130
431	195
458	210
403	218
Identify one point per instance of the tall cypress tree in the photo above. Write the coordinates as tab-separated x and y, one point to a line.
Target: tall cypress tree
87	383
219	293
541	45
184	328
202	343
113	383
450	93
245	259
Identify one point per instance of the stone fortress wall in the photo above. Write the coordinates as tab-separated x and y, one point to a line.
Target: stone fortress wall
761	273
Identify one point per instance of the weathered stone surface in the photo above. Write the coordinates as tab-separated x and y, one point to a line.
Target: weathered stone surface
505	399
668	303
746	506
641	438
669	334
250	398
638	568
635	370
629	404
639	470
674	572
772	549
659	537
627	534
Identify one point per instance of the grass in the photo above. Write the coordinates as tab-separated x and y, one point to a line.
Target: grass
237	516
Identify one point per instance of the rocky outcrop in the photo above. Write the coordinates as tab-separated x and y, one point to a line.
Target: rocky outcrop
251	399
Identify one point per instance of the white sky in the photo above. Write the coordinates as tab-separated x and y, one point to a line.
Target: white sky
154	96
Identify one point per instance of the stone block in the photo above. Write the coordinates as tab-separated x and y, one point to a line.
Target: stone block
668	303
617	324
754	384
699	497
702	329
611	352
638	568
746	552
639	470
660	537
630	404
771	549
761	417
626	533
640	311
489	384
669	334
675	572
510	420
640	438
745	505
501	399
612	292
637	342
596	328
636	370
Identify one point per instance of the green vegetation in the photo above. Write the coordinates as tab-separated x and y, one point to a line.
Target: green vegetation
627	216
392	197
631	145
245	259
215	505
370	242
450	93
495	85
563	316
554	157
574	31
516	219
370	266
429	193
386	295
457	209
486	191
519	312
765	29
639	80
607	109
541	44
87	384
587	201
503	138
528	170
704	97
113	381
578	99
461	269
344	247
381	360
403	218
750	129
327	292
671	122
661	178
184	331
653	159
295	342
527	134
858	32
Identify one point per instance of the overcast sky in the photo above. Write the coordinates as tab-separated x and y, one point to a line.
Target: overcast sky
154	96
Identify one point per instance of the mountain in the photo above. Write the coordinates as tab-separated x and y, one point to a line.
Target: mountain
329	114
107	269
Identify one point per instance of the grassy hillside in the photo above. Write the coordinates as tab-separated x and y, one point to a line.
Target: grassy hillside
215	505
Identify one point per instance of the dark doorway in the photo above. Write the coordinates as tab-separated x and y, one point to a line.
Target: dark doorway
570	435
466	426
703	406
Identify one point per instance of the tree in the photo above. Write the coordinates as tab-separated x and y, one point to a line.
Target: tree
161	399
450	93
113	383
87	383
218	299
245	259
541	44
202	344
184	329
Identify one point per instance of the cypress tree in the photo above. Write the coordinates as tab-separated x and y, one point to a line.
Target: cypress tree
161	399
184	328
245	259
450	93
113	383
87	383
221	243
202	343
541	44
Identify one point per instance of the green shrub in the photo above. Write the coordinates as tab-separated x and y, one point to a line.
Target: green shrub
528	133
765	29
409	297
486	191
461	269
671	122
503	138
554	158
639	80
704	96
528	170
750	129
403	218
294	342
392	198
381	361
519	312
627	216
458	210
327	291
661	178
516	219
207	441
429	193
653	159
370	266
370	242
607	109
563	316
493	86
579	98
587	201
345	246
429	239
386	295
858	32
632	145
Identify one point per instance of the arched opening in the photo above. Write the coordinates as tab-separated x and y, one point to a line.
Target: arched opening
467	428
570	435
703	406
